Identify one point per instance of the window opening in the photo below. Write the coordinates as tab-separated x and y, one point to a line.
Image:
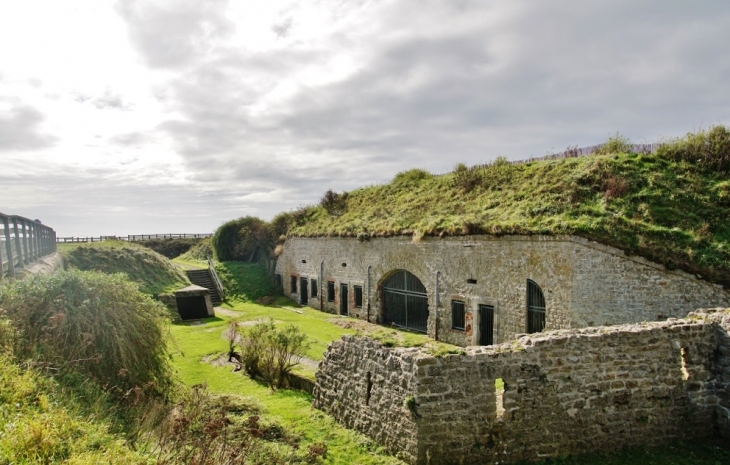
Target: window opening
293	284
358	296
369	382
535	308
458	317
304	291
685	373
314	287
499	397
278	280
330	291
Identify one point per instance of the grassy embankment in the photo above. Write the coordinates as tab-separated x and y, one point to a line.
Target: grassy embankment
670	207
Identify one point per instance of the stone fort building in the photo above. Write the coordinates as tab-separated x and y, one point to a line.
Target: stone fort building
484	290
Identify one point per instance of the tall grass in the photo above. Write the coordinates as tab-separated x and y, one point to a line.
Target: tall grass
91	323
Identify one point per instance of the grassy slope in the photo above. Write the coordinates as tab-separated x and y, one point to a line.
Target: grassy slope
154	273
670	212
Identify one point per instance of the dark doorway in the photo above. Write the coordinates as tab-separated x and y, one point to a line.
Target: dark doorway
192	308
405	302
486	325
343	299
303	291
535	308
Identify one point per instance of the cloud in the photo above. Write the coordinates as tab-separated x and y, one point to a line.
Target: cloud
174	34
20	128
110	100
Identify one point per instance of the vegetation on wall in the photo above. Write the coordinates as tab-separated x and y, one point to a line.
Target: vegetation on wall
153	272
670	207
245	282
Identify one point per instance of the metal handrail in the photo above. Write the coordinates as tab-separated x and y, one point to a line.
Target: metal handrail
216	279
133	237
23	241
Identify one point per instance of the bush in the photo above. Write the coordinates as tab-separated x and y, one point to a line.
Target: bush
466	179
614	144
334	203
271	352
200	251
170	247
411	177
242	239
707	149
89	322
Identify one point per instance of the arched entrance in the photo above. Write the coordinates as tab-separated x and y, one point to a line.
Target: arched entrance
405	303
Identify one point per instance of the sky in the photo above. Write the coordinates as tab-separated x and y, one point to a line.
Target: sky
161	116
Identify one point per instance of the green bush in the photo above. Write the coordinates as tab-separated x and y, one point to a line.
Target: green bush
465	178
411	177
334	203
92	323
709	150
614	144
243	239
272	352
200	251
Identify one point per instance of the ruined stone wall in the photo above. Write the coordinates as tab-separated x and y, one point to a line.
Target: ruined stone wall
364	386
565	392
584	283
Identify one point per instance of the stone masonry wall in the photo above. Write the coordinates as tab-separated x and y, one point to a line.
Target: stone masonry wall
363	385
565	392
584	283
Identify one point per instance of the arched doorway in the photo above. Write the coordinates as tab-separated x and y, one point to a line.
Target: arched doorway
405	302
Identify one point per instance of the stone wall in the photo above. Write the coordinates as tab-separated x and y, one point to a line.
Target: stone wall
584	283
565	392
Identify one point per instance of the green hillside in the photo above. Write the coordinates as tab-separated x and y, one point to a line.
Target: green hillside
153	272
671	207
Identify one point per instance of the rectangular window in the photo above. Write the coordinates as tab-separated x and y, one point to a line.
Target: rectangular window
278	280
315	289
330	291
458	317
293	284
358	296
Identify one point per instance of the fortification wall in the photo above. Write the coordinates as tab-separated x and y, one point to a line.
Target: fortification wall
584	283
566	392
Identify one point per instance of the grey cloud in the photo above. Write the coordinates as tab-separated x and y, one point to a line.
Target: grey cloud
110	100
19	129
170	35
281	29
131	139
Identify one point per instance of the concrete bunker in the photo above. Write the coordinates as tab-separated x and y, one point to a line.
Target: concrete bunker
193	302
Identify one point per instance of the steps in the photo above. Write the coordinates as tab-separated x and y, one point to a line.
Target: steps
202	278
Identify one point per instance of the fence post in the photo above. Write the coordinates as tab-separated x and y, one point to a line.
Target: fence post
9	247
18	246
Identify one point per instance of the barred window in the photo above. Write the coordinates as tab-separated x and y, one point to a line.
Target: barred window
358	296
293	284
458	317
315	288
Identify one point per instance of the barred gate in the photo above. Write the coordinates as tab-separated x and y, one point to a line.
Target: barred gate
405	302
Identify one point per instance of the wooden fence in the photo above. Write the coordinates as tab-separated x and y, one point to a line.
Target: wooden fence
575	152
132	237
23	241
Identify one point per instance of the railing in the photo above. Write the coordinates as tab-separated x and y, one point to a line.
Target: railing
216	279
575	152
23	241
133	237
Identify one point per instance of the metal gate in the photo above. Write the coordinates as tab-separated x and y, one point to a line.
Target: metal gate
405	303
486	325
535	308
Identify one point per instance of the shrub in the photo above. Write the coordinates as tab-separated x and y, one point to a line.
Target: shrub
170	247
614	144
466	179
334	203
89	322
200	251
707	149
271	352
411	177
242	239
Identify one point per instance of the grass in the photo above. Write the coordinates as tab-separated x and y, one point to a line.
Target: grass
153	273
291	409
667	210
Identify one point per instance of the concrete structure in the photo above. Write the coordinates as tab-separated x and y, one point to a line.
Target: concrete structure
465	281
565	392
194	302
